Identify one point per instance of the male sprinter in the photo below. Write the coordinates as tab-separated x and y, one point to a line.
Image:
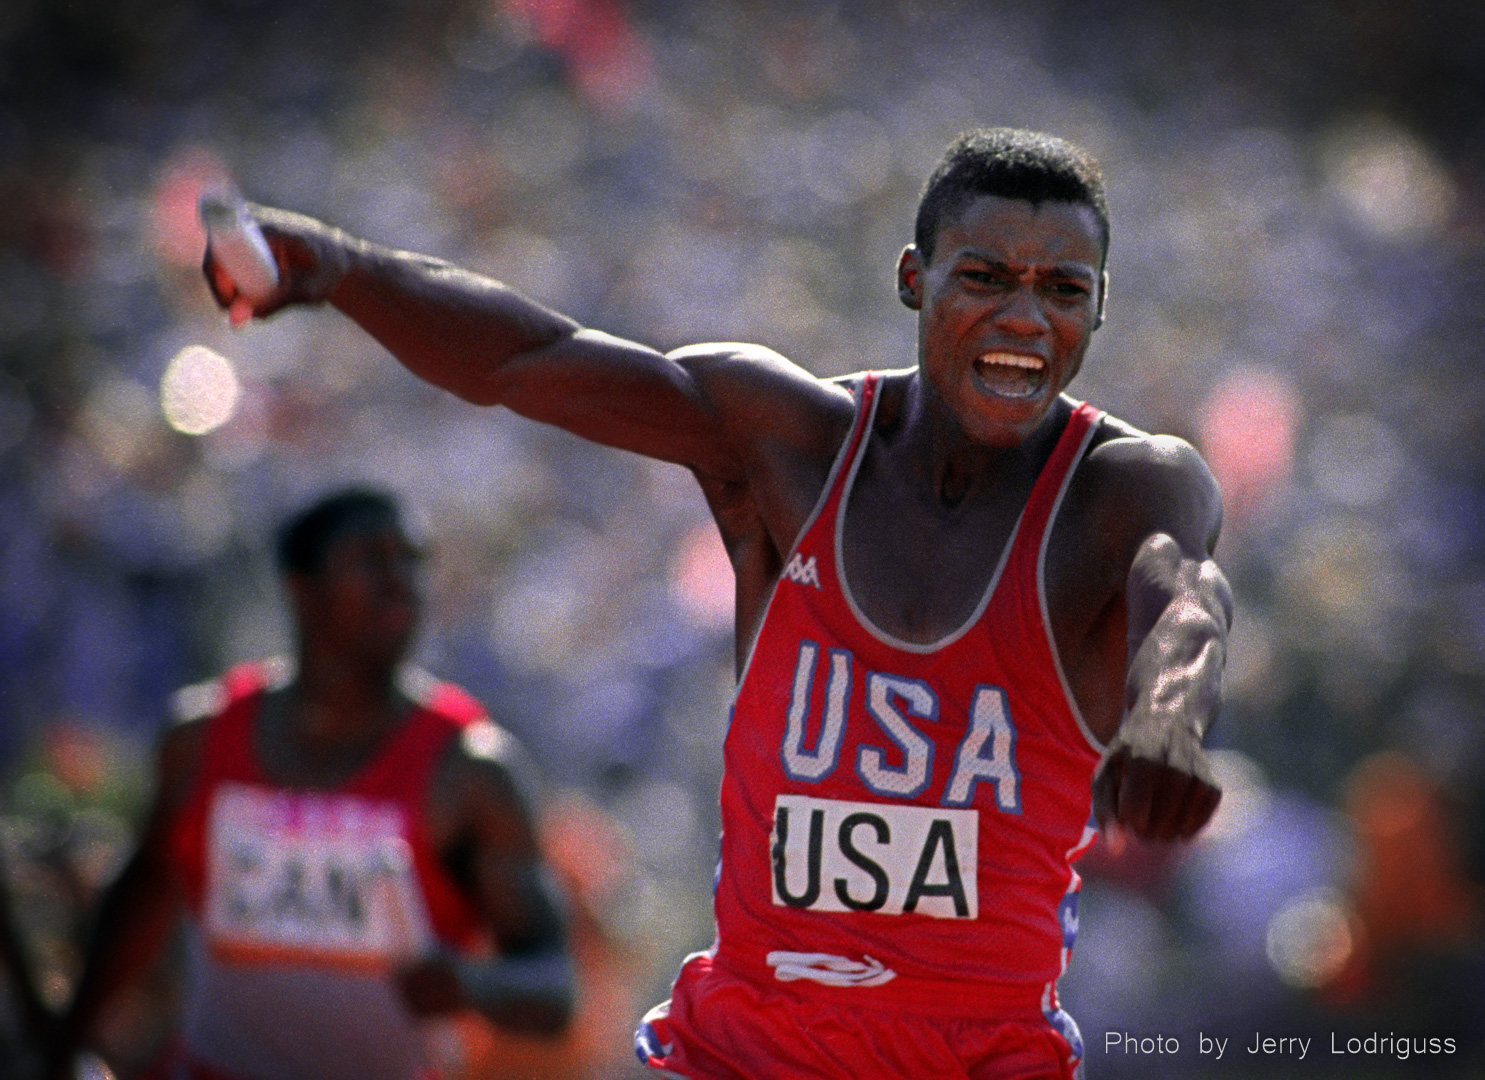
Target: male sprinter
969	608
349	837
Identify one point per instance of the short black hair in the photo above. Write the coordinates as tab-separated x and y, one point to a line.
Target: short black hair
1014	164
306	537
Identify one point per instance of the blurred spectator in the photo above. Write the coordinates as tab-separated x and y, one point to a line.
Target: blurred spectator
1418	942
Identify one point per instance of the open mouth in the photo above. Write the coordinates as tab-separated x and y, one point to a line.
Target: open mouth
1011	374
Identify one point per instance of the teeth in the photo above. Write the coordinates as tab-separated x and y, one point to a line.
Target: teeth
1028	363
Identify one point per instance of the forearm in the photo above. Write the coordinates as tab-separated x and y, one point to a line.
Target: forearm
1180	608
531	991
137	915
529	985
451	327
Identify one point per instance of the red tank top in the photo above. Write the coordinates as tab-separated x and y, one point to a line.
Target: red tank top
902	818
344	878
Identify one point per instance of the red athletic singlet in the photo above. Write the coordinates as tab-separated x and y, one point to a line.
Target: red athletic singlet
303	902
394	783
899	820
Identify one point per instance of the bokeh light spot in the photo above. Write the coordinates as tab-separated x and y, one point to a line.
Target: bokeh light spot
1389	180
199	390
1247	434
702	580
1355	460
118	419
1310	939
178	234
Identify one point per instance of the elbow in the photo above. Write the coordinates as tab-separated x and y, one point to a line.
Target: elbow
1163	577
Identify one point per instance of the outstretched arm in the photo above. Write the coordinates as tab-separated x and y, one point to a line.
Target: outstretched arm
487	343
1156	779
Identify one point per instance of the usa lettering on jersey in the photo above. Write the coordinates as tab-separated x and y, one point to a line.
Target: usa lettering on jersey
298	877
893	858
901	765
832	855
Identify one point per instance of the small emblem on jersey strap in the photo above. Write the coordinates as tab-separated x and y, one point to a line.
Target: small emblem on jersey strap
828	969
802	571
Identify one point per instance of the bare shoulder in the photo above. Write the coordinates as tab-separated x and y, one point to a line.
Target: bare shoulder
179	752
766	397
485	786
489	757
783	426
1155	483
192	709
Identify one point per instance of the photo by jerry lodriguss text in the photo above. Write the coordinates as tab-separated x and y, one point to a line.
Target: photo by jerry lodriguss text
1293	1047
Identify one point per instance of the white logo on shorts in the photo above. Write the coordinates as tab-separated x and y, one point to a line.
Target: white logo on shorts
828	969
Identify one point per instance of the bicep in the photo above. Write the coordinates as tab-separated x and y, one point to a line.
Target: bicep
616	392
1180	497
1171	511
715	408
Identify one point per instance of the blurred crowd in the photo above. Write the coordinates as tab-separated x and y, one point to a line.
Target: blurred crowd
1297	255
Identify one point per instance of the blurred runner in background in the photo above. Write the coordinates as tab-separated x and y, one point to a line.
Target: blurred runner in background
350	839
960	593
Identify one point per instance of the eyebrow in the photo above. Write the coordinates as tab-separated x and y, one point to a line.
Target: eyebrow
1063	269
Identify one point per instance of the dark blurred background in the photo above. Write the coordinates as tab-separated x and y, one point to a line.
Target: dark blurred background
1298	256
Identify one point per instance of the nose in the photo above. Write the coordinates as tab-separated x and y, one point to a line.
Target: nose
1022	314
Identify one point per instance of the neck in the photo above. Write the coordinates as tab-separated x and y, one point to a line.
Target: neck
339	701
956	468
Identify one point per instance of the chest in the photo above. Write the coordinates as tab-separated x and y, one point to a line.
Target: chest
865	760
917	563
295	875
293	757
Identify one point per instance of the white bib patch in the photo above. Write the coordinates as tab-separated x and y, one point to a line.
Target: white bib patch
832	855
308	877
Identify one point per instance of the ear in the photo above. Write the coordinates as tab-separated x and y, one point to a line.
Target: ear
1103	296
910	278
